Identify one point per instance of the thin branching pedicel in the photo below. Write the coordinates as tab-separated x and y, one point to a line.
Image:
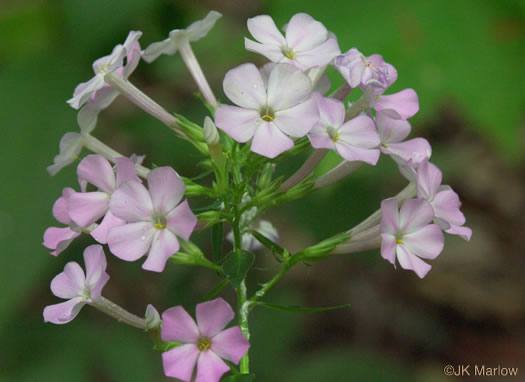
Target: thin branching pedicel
279	110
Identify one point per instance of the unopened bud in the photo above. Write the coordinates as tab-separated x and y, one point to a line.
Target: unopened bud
152	318
211	134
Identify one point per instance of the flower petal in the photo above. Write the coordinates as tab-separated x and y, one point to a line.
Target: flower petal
59	238
213	316
166	188
163	245
304	33
152	52
353	153
69	283
131	202
180	361
96	170
95	262
287	87
360	132
244	86
264	30
446	206
70	146
238	123
391	130
331	111
414	215
230	344
319	56
427	242
125	170
405	103
84	91
271	52
60	207
464	232
178	326
319	137
210	367
408	260
388	247
269	141
298	120
181	221
131	241
201	28
85	208
410	153
64	312
389	216
428	181
110	221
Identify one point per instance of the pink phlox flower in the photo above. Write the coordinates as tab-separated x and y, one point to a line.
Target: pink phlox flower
409	153
85	208
270	109
105	65
78	288
409	235
443	200
307	42
204	343
103	97
365	72
194	32
58	239
354	140
154	218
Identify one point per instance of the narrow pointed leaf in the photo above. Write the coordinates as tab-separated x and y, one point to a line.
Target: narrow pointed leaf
300	309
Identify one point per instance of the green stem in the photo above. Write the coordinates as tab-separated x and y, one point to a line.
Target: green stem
261	292
243	306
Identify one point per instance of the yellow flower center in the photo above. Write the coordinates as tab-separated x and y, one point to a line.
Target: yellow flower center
288	52
333	133
399	241
268	115
204	343
159	222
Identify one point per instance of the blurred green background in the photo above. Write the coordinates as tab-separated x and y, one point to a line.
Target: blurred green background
465	60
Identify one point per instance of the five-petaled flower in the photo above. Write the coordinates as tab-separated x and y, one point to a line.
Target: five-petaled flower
154	219
409	235
270	109
204	343
79	288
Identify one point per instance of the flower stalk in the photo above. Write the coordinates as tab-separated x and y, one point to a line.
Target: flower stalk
118	313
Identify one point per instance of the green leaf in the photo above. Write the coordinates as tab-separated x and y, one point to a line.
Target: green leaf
215	291
240	378
237	266
299	309
217	235
268	243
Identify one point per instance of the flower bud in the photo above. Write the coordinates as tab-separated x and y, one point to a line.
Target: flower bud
152	318
211	134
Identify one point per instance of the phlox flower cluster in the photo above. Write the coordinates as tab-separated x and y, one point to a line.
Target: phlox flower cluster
277	110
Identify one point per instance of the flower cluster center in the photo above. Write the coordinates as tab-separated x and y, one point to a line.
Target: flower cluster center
204	343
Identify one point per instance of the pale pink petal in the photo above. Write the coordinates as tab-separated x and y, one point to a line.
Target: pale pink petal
244	86
405	103
428	181
264	30
269	141
180	361
201	28
304	33
125	170
319	137
59	238
389	216
181	221
391	130
163	245
213	316
60	207
353	153
298	120
319	56
132	60
271	52
409	261
131	202
230	344
166	188
85	208
85	90
70	146
178	326
69	283
411	152
360	132
427	242
131	241
110	221
238	123
64	312
446	206
96	170
287	87
153	51
388	247
210	367
331	111
464	232
95	262
414	215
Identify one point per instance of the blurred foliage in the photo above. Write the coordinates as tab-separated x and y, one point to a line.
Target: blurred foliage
465	56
